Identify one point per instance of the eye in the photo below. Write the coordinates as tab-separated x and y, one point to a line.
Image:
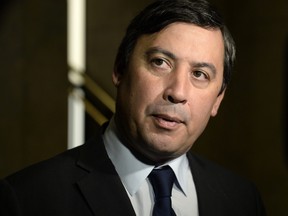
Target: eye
200	75
157	61
160	63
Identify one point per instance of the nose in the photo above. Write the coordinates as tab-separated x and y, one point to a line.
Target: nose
176	88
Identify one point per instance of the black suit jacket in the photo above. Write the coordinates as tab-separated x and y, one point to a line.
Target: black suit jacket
84	182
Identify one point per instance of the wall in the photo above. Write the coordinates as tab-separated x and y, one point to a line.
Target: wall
33	82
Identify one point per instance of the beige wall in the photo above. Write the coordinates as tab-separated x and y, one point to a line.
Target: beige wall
247	136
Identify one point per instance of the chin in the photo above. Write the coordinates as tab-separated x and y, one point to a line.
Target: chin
165	150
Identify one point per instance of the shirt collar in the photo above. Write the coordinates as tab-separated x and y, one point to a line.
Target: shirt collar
132	172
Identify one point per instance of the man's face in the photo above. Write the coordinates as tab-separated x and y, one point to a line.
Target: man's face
170	89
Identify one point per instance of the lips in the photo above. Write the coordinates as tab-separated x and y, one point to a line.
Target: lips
166	121
168	118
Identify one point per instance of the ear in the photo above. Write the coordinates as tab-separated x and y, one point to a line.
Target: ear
116	77
217	103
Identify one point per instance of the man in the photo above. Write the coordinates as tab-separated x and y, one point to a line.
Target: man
171	73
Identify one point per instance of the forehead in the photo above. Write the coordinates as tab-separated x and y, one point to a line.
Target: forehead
187	42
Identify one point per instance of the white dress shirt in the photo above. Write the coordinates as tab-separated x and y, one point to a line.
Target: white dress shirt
134	176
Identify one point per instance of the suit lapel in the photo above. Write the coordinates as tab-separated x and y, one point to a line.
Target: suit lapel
101	186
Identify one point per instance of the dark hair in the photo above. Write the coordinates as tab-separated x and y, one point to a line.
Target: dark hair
161	13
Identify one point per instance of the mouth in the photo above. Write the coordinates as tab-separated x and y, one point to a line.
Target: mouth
166	121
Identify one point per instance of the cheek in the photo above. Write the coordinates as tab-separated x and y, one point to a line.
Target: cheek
145	88
143	95
201	107
136	93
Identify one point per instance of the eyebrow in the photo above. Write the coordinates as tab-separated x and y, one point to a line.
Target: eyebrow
154	50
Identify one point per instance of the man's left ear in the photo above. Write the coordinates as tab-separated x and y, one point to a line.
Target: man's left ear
217	103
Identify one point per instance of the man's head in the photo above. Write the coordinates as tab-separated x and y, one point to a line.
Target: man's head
161	13
171	72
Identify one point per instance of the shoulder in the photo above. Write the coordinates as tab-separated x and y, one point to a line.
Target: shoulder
224	186
212	170
50	185
62	166
46	169
38	182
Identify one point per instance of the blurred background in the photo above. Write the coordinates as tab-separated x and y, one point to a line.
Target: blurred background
249	135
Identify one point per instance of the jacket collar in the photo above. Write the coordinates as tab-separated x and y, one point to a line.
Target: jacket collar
101	184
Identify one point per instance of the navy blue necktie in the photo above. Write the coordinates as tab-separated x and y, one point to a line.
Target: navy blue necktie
162	181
